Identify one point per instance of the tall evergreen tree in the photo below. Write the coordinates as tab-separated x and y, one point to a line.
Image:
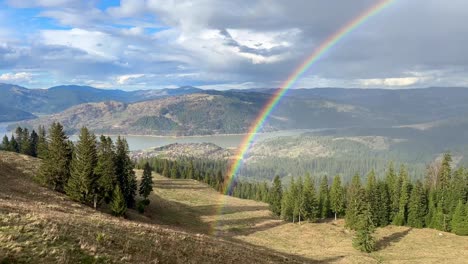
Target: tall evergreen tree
417	208
356	196
460	219
276	195
124	172
25	146
105	169
373	196
400	218
118	205
309	206
337	196
82	185
364	240
55	167
146	185
5	144
14	146
382	213
393	190
33	143
324	199
42	143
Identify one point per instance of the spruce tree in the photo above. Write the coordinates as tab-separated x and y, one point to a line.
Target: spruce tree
337	196
400	218
118	205
175	171
5	144
276	196
82	185
460	219
417	208
383	201
146	185
393	190
289	201
356	196
105	169
124	172
41	143
165	171
14	145
25	146
324	199
33	143
55	167
309	206
373	197
364	240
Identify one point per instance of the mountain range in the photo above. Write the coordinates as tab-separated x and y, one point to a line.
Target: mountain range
192	111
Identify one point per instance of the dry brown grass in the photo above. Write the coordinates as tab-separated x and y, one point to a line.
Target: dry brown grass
41	226
193	206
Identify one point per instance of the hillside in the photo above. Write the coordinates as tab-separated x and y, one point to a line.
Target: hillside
59	98
188	150
13	114
39	225
204	114
178	227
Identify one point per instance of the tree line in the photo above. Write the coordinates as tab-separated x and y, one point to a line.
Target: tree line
89	171
440	201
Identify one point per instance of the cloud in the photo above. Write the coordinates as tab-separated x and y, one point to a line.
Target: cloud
16	77
156	43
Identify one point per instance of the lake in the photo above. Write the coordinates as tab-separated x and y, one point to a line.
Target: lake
145	142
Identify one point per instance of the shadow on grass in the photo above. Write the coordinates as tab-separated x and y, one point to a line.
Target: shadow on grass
393	238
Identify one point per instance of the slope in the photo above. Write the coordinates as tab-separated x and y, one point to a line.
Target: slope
39	225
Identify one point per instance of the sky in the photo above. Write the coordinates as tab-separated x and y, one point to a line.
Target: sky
224	44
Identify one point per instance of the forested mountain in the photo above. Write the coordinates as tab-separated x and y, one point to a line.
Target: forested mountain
59	98
192	111
13	114
204	114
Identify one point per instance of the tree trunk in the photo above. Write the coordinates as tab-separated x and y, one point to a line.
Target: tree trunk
335	216
95	201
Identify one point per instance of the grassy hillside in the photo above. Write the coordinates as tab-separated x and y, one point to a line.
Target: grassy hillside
41	226
178	227
191	205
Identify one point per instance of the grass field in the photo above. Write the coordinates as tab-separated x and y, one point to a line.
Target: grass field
183	224
194	206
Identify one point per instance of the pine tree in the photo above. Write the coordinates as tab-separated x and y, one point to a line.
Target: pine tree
42	143
33	143
175	171
417	209
55	167
146	185
105	169
460	219
337	196
364	241
82	185
383	202
276	196
5	144
288	202
372	196
393	190
309	205
400	218
324	200
356	196
165	171
19	137
14	145
118	205
25	146
124	172
190	172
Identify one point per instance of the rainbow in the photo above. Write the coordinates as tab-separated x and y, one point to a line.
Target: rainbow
316	55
